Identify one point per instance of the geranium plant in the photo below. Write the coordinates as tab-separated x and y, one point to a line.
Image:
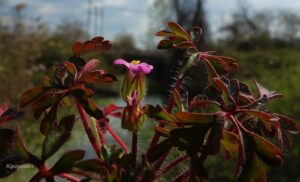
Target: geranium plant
227	118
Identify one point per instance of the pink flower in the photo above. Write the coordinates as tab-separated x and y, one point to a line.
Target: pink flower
135	66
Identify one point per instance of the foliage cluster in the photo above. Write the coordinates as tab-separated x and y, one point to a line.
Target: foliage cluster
227	118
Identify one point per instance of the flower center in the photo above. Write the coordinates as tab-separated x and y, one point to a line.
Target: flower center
135	62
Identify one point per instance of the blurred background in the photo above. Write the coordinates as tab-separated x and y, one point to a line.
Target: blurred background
262	35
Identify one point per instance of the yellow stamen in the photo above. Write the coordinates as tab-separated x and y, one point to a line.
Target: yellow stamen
135	62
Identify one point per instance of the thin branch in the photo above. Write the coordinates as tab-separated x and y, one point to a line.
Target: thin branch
87	128
173	164
116	137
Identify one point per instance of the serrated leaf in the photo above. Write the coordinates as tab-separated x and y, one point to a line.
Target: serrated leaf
67	161
57	136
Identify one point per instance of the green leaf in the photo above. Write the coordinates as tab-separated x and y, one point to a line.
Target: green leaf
159	150
230	143
49	120
253	170
57	136
67	161
288	124
81	91
165	44
159	113
266	118
189	139
179	31
267	151
44	102
164	33
162	131
177	99
12	151
32	94
91	108
190	118
90	165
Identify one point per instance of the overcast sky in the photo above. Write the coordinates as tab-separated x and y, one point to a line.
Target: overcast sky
132	15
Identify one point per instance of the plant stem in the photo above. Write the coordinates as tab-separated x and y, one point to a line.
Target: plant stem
87	128
116	137
169	108
183	176
69	177
134	149
173	164
100	134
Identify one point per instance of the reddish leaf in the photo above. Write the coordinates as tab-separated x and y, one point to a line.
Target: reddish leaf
253	170
288	124
165	44
179	31
266	118
162	131
195	118
90	66
230	143
164	33
199	103
267	151
57	136
159	113
96	44
263	92
3	108
32	94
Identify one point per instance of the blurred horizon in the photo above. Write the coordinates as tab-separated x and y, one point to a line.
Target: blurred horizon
111	19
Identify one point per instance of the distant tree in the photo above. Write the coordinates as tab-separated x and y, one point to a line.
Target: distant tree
187	13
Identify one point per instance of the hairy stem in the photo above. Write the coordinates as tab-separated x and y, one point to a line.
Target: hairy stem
169	108
173	164
116	137
87	128
183	176
69	177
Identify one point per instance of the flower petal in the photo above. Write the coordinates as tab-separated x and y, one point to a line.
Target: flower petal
146	68
122	62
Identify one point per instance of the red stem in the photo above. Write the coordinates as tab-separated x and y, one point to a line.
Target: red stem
116	137
69	177
134	149
87	128
100	134
169	108
183	176
173	164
